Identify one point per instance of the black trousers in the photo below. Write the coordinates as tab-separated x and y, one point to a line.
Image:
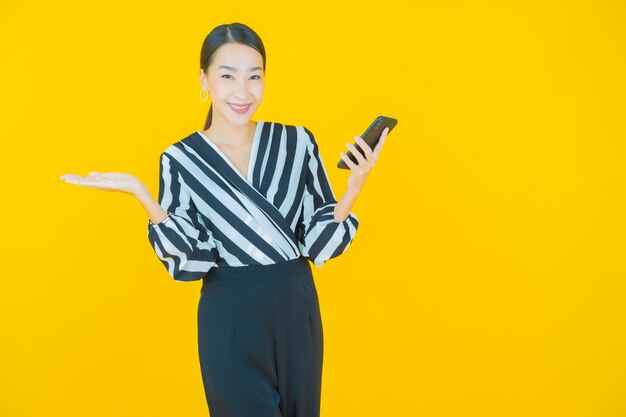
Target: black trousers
260	340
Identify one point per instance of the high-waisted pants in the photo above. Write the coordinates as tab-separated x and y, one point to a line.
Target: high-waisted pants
260	340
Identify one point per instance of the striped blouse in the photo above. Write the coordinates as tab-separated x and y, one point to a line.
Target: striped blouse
283	209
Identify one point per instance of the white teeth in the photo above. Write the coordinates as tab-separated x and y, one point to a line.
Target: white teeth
239	107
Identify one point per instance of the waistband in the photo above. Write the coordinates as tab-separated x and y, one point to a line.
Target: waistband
247	273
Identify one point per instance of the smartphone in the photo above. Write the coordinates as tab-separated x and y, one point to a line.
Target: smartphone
371	137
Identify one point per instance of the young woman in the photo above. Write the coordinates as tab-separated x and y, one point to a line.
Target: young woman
244	205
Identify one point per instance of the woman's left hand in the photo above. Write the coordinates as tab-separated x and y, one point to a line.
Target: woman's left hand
360	172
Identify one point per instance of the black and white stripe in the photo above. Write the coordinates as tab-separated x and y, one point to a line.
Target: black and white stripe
281	210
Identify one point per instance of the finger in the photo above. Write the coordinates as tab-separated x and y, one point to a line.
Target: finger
384	133
66	177
76	178
355	152
84	183
379	146
348	161
100	185
88	180
92	185
80	180
366	148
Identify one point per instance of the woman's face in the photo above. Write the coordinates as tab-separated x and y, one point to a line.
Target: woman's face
235	77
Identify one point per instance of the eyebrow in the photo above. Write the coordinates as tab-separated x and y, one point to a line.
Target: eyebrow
235	69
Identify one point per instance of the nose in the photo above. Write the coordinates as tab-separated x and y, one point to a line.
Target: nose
241	92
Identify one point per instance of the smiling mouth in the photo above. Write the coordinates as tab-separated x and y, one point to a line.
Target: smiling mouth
240	109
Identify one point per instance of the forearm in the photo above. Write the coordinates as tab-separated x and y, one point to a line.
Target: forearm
152	207
345	204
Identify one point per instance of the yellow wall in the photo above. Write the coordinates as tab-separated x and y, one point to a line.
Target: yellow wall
487	275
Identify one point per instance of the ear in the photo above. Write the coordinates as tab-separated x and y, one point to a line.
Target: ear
203	79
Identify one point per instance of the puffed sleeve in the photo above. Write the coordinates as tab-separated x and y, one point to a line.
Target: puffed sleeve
320	237
182	242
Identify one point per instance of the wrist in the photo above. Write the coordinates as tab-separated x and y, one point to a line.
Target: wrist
141	192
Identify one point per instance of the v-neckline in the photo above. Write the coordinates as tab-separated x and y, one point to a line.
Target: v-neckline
253	152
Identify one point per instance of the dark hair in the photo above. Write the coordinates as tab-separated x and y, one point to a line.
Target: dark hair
223	34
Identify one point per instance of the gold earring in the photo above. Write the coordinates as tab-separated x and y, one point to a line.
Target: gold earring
207	97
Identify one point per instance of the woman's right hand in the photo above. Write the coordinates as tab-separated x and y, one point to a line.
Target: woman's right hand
107	181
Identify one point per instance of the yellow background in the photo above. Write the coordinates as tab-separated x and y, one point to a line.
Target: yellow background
487	275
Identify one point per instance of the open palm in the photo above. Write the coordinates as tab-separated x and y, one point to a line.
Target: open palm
107	181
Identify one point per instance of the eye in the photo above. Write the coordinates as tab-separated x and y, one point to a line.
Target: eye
228	75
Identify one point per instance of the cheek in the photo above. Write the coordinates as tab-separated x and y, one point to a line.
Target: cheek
220	88
257	90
